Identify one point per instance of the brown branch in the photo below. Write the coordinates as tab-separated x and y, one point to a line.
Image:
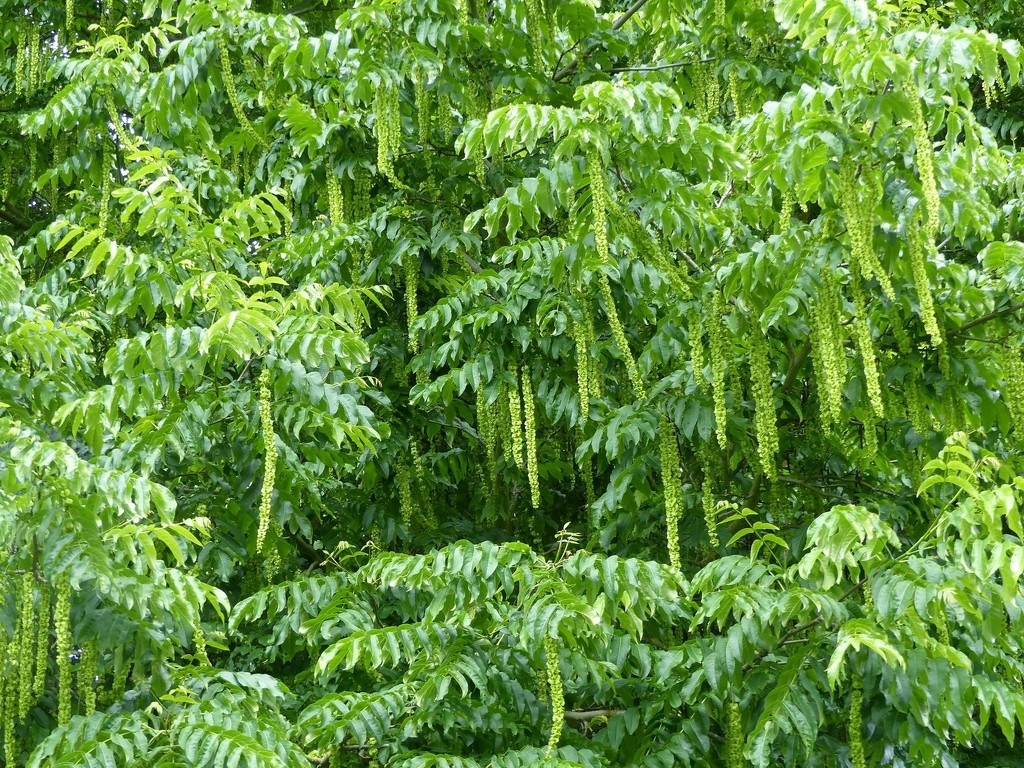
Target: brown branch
584	715
795	365
1007	310
568	69
788	635
659	67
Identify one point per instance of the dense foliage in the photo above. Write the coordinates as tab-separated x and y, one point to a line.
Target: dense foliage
458	383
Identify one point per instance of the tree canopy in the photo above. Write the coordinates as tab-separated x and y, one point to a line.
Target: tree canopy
448	383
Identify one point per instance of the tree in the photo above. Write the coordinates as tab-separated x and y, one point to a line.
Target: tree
448	383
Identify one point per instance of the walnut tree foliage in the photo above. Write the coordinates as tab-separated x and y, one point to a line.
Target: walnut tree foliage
457	383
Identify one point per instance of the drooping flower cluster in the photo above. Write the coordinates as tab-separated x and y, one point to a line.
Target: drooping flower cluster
719	362
233	98
269	459
335	199
555	693
388	130
854	724
828	350
672	487
733	735
62	630
530	430
619	337
925	158
764	403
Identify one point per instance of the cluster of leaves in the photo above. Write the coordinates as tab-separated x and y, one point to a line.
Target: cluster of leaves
385	379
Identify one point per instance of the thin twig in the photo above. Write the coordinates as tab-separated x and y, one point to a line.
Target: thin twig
583	715
1007	310
568	69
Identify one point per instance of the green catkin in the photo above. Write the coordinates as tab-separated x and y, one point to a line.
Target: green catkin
764	403
199	643
504	420
42	641
361	196
599	204
866	347
478	111
594	377
858	209
695	328
709	503
941	623
69	14
9	691
719	368
917	246
916	412
487	428
232	90
589	494
463	12
6	177
854	724
62	630
35	63
269	460
335	200
443	122
579	335
555	693
619	337
425	515
126	141
651	250
530	431
388	129
733	735
1013	384
21	62
33	156
60	149
27	634
925	158
411	269
786	210
734	93
672	487
515	412
708	90
533	31
828	350
423	124
406	504
870	437
106	189
86	677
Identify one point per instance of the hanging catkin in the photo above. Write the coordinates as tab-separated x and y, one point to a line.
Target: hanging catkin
62	630
232	91
718	343
672	487
530	431
925	158
764	402
556	694
269	459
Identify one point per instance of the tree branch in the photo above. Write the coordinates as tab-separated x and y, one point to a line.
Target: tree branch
788	635
568	69
659	67
584	715
1007	310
